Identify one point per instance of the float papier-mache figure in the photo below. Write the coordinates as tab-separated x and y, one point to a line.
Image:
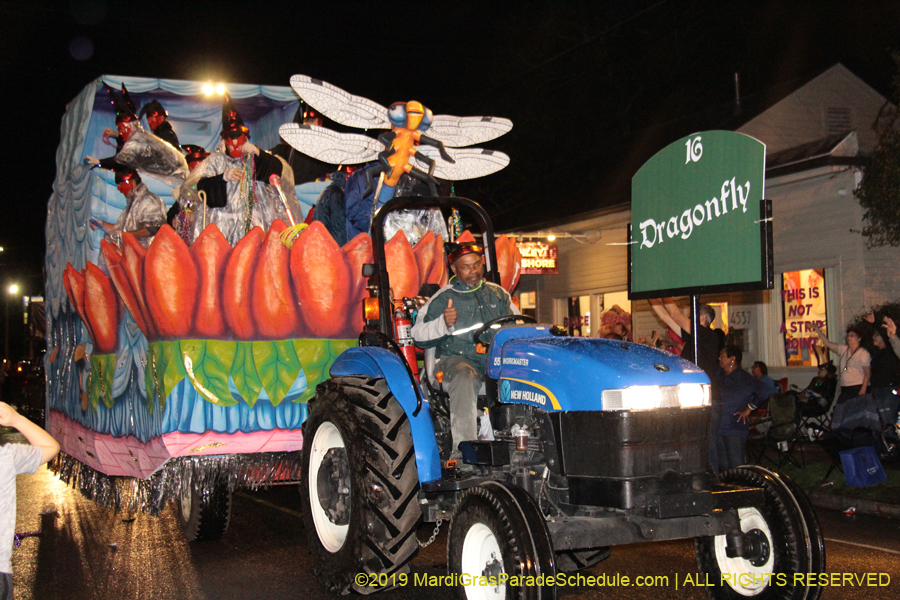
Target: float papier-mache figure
401	149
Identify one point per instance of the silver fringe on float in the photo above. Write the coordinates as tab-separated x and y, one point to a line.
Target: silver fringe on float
236	471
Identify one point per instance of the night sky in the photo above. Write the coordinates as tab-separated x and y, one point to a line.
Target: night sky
593	88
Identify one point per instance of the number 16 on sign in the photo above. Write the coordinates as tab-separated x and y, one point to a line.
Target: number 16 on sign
694	150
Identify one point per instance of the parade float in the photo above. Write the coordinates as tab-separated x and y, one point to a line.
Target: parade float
180	370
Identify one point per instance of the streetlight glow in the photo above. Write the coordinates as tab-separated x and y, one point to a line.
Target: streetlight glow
220	89
208	89
13	289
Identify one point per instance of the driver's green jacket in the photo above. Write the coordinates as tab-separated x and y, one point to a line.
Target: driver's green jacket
473	309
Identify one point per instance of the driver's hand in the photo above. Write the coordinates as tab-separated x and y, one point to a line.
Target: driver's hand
450	314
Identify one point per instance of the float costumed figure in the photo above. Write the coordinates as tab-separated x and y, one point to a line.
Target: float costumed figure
240	184
139	149
144	212
157	118
182	214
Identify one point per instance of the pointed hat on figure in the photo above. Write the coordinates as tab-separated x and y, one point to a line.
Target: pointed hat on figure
124	109
232	123
127	98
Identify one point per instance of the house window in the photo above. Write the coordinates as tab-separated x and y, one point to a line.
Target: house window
803	295
526	301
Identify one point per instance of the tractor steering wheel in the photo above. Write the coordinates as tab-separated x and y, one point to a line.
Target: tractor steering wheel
505	318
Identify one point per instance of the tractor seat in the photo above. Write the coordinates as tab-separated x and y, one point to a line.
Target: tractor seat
432	367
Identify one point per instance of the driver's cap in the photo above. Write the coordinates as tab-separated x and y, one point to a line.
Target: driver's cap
463	249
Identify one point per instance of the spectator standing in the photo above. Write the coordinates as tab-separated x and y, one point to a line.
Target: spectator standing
708	343
16	459
854	370
891	329
885	368
741	394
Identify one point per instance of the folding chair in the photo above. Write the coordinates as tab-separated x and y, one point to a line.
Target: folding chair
783	384
815	414
784	433
855	423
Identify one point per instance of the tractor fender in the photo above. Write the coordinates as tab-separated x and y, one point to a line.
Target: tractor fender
371	361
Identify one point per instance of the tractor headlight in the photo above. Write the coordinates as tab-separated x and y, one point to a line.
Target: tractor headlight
648	397
693	395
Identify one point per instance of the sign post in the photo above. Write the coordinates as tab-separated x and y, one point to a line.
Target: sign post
699	223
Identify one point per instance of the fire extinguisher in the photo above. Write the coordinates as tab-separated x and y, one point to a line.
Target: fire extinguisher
403	332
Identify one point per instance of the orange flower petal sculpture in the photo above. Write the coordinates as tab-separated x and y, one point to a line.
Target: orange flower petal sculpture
66	285
73	281
211	251
101	307
170	284
439	272
424	251
237	286
517	264
504	258
275	310
322	281
114	263
133	255
401	266
465	238
357	252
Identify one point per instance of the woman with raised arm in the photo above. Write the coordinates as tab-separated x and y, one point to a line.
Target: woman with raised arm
853	363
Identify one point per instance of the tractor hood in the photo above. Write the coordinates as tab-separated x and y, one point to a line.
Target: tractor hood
570	373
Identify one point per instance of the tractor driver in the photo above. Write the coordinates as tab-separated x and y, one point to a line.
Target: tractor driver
448	321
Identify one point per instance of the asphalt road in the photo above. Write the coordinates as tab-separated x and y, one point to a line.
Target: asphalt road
85	551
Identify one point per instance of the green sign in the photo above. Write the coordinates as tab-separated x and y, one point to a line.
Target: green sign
698	223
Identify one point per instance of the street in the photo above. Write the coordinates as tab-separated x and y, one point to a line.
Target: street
86	551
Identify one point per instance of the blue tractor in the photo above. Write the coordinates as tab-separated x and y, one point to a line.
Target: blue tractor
596	443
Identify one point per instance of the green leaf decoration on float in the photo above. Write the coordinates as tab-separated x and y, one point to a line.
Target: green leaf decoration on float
252	366
100	379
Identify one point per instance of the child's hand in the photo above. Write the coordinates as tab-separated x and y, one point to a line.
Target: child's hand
7	414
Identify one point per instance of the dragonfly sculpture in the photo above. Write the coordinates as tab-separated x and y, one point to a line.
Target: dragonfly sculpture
405	148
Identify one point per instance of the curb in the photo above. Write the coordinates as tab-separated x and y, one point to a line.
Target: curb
865	507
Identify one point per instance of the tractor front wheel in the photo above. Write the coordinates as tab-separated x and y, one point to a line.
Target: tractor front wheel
359	486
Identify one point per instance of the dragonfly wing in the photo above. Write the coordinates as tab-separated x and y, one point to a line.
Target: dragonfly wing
465	131
338	105
470	162
330	146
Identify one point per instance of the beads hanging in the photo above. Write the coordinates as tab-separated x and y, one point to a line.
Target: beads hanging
248	189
